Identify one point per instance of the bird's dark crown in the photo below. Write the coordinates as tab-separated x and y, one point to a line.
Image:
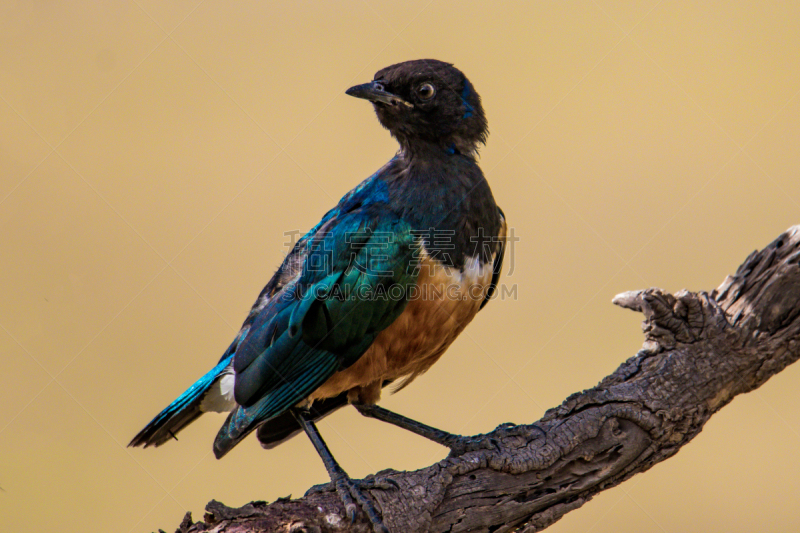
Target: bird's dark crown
426	104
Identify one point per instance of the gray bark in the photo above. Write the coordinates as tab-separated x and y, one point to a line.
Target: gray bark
700	351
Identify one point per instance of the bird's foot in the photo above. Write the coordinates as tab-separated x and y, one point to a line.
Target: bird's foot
460	445
489	441
350	492
363	484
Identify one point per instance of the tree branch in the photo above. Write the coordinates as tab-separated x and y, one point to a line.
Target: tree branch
700	351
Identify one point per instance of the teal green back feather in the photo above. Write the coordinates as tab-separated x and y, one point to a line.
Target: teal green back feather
354	283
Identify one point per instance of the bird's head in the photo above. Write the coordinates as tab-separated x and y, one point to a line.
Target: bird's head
427	103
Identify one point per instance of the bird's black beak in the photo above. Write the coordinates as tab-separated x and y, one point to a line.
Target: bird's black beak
374	92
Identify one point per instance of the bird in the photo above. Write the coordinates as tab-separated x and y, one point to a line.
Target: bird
371	296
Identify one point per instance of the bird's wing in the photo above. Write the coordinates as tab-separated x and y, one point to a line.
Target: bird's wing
355	275
497	264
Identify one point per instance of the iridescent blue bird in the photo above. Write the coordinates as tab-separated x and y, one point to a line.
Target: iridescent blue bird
374	293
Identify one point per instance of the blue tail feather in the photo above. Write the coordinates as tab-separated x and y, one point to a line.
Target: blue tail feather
181	412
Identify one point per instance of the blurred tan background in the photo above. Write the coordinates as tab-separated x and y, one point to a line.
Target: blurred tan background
153	154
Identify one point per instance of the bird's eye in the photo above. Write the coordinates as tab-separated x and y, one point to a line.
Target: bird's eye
426	91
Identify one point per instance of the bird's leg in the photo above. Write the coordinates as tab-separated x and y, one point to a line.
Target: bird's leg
458	444
347	488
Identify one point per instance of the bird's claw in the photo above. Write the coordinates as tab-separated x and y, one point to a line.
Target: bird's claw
377	483
349	489
321	488
350	492
363	484
461	445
